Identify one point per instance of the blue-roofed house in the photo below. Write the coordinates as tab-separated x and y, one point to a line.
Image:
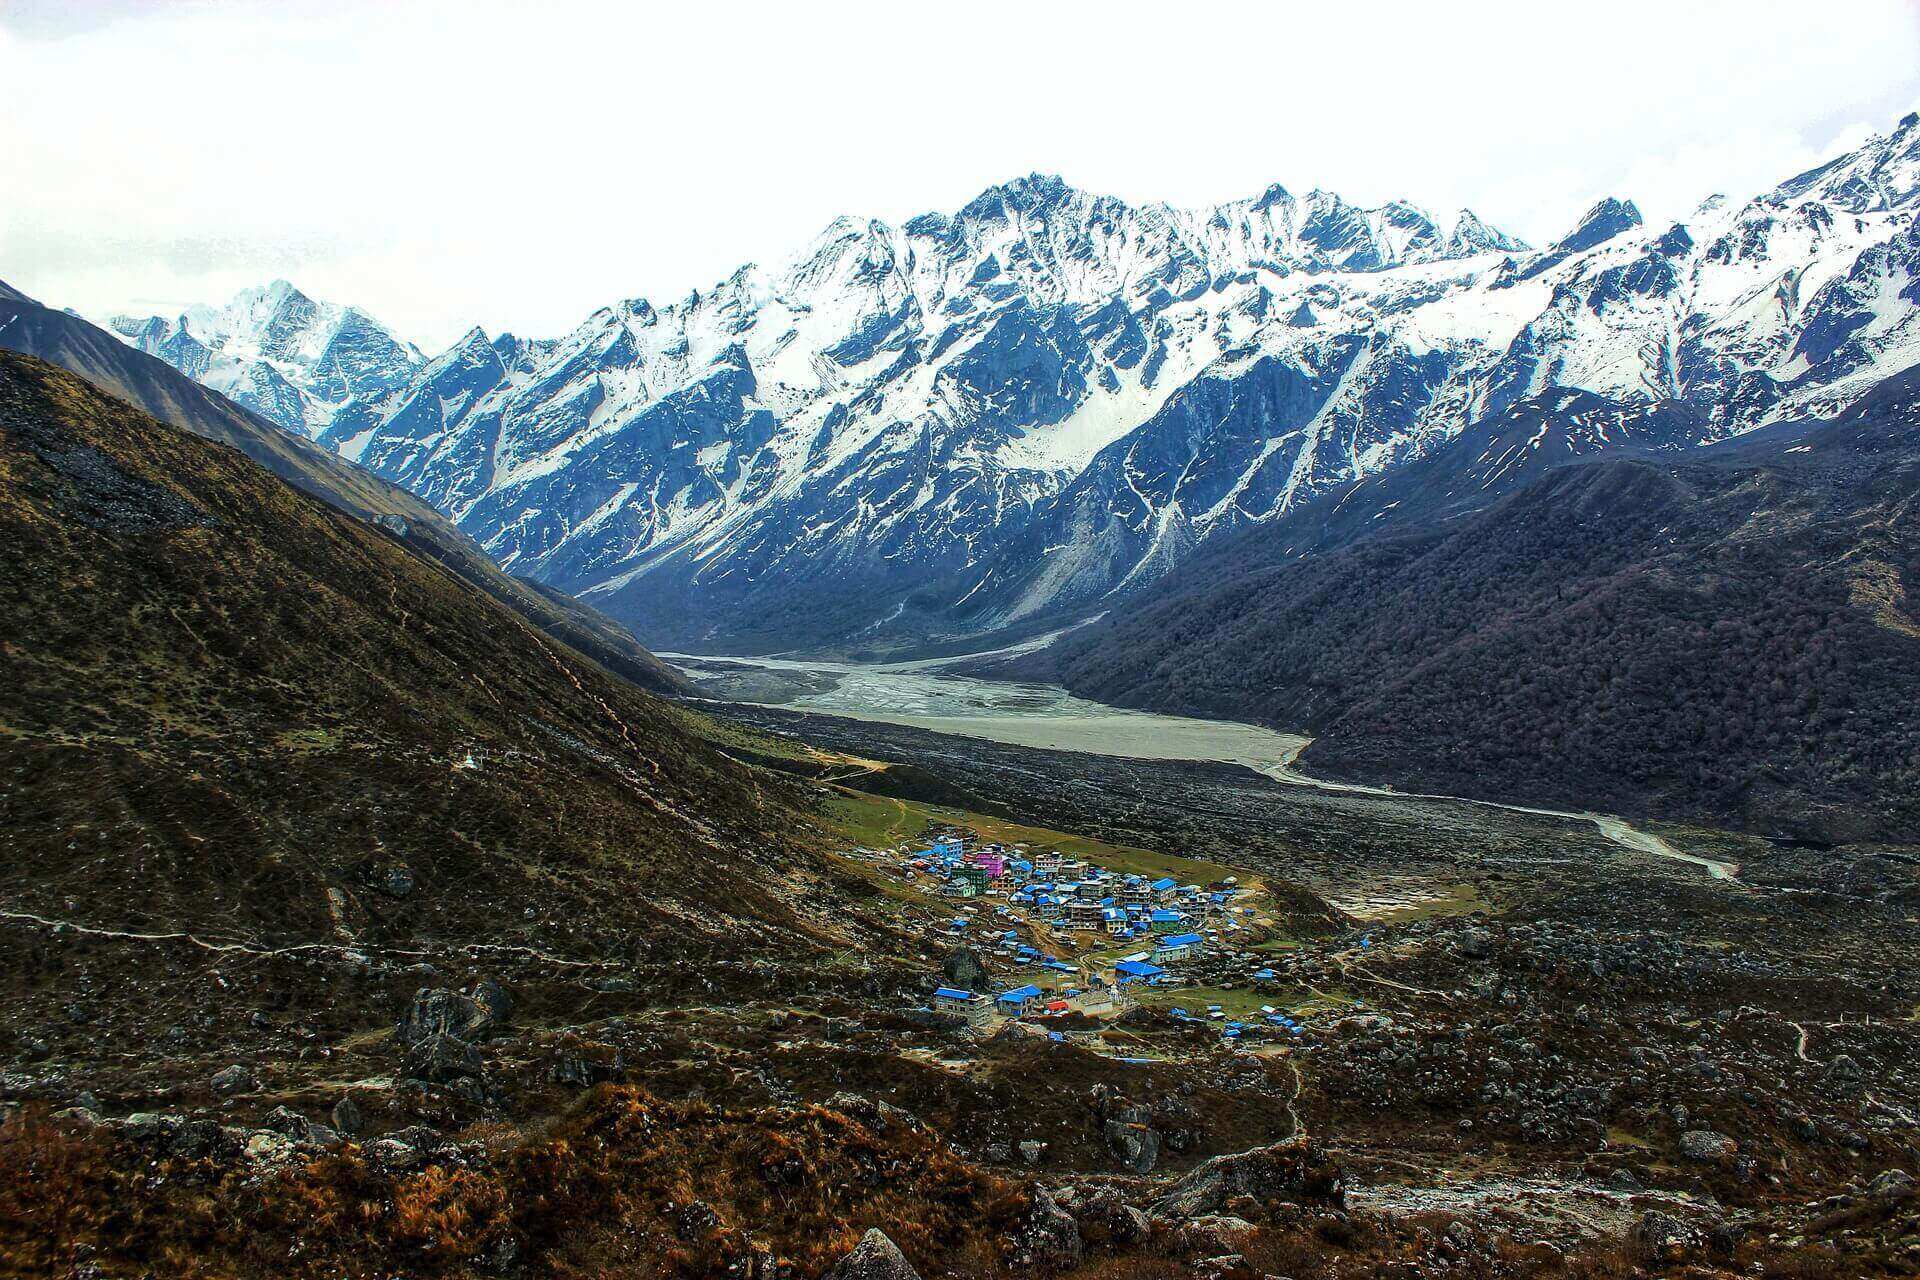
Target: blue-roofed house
976	1009
1015	1002
1161	920
1179	946
1131	971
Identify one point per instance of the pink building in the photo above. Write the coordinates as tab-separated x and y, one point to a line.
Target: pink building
994	864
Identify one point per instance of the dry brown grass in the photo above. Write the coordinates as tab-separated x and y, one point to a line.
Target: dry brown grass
625	1185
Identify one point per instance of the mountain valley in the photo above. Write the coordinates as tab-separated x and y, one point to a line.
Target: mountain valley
1294	739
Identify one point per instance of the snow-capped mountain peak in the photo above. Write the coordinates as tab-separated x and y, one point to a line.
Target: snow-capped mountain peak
1012	411
279	352
1883	174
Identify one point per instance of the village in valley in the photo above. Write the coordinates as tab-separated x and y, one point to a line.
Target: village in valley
1052	944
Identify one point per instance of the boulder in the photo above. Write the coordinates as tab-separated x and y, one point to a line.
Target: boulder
232	1080
346	1115
873	1112
1132	1141
874	1258
494	1001
1294	1171
1664	1238
1213	1235
443	1058
962	969
1105	1218
288	1123
1705	1146
581	1063
1891	1184
267	1147
439	1011
393	1156
1128	1225
1051	1237
396	881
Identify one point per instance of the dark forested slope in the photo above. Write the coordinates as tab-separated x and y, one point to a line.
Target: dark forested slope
1727	635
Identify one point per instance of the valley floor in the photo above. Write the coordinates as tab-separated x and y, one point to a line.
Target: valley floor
1550	1025
1527	1049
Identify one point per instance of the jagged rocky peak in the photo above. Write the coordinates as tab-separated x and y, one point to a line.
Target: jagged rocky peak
1608	218
1472	234
1274	197
1882	174
282	353
1036	193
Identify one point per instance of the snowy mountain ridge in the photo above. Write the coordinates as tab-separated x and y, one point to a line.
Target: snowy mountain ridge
1012	412
278	352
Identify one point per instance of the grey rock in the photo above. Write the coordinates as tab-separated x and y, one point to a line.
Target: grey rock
494	1001
1051	1236
1134	1143
444	1058
1285	1171
393	1155
1891	1184
288	1123
962	968
438	1011
1128	1225
397	880
346	1115
150	1124
200	1137
875	1258
232	1080
1705	1146
1664	1237
268	1147
873	1112
1030	1151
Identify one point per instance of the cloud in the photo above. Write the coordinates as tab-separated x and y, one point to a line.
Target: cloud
445	164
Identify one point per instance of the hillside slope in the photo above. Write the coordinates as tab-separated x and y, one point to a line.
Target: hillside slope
1726	635
230	710
157	388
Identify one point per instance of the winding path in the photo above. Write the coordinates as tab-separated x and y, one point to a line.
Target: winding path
1615	829
467	949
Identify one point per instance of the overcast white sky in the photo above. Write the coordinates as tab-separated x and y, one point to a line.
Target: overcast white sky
518	165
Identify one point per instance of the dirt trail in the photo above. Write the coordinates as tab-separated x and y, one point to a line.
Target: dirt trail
1615	829
305	948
